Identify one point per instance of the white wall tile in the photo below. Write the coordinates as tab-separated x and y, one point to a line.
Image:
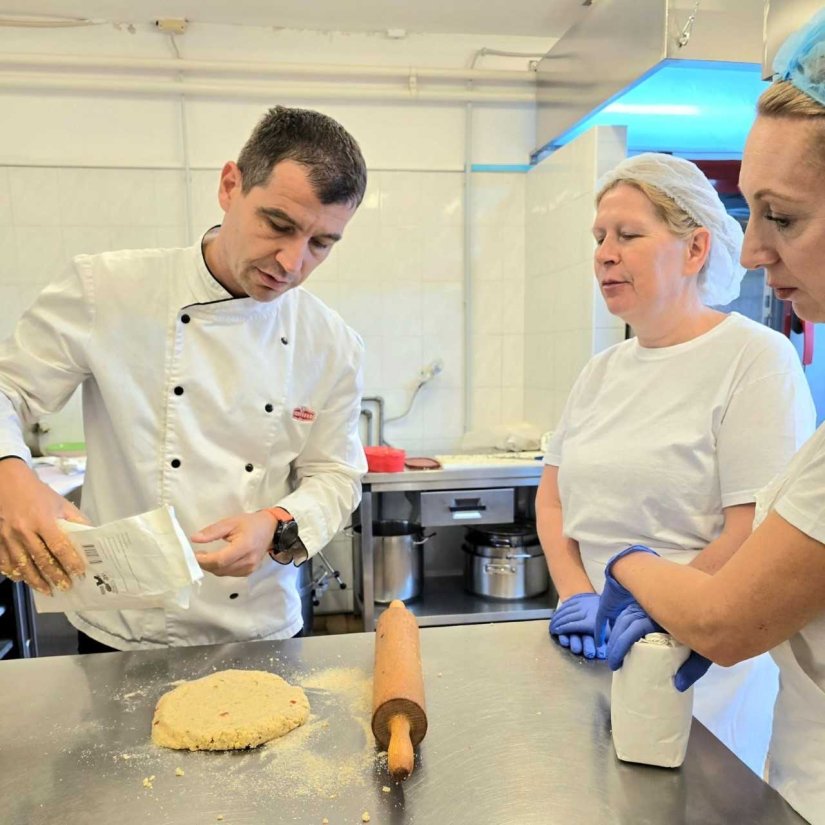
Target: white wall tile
538	407
486	408
512	404
441	410
171	237
87	240
361	255
40	256
442	198
486	364
401	313
206	210
87	197
487	304
512	361
132	197
398	254
401	199
5	198
9	272
361	308
35	195
497	199
328	291
401	361
372	363
441	252
170	198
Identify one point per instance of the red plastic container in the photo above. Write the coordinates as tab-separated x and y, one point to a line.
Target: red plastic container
385	459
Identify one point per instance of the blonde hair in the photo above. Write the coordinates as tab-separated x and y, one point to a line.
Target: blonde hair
675	218
784	100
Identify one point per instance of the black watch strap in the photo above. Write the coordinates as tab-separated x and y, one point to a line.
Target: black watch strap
287	547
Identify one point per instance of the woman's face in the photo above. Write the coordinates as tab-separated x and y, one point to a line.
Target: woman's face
783	182
639	263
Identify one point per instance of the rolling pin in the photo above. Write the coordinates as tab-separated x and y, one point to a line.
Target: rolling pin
399	718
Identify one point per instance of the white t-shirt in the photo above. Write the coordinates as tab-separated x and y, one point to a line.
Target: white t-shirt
796	758
653	443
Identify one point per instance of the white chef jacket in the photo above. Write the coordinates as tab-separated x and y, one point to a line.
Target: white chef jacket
796	756
213	404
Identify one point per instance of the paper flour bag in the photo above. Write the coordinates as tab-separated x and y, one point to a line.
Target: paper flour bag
650	718
140	562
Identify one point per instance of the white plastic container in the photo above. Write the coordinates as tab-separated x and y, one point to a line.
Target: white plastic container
650	718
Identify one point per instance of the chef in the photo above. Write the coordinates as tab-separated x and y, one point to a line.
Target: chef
213	382
770	595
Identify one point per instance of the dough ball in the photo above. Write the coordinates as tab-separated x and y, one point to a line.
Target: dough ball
228	710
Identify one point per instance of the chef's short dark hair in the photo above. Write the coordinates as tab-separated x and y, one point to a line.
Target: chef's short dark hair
331	155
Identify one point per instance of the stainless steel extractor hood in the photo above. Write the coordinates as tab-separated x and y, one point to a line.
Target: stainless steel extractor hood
620	43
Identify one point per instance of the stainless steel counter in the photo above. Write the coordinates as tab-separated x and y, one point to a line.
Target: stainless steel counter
509	473
519	733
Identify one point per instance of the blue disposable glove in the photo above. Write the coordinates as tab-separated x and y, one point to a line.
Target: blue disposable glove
633	624
630	626
615	598
573	625
693	669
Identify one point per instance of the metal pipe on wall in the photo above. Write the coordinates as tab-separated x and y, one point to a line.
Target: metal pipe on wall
234	67
252	91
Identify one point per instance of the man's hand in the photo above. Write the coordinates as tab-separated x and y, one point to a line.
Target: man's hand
249	537
32	547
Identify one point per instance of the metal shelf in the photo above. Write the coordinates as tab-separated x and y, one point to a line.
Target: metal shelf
444	601
5	646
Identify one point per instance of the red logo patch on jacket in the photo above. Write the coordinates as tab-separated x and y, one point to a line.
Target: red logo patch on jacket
303	414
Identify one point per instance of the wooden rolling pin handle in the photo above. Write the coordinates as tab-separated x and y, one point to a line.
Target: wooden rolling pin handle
400	756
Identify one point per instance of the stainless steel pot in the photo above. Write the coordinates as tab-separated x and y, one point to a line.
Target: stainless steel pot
398	559
504	561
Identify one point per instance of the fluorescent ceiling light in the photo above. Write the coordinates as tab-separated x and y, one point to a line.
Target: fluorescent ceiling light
651	109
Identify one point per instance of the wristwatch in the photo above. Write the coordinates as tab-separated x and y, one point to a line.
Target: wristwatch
287	547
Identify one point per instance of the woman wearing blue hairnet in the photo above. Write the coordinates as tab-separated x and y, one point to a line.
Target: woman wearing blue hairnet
666	438
770	596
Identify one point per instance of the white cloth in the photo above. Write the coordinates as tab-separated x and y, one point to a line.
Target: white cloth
267	416
654	443
796	758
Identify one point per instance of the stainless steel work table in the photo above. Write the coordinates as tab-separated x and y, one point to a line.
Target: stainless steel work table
519	733
445	602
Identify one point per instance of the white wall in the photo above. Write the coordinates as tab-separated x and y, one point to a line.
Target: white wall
87	172
565	318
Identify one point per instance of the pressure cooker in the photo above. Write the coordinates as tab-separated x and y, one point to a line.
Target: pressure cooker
504	561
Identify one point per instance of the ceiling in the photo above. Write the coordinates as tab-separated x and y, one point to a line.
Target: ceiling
535	18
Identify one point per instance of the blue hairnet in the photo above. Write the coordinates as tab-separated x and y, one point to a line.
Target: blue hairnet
801	59
686	185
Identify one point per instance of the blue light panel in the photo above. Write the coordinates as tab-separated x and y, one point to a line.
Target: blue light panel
698	108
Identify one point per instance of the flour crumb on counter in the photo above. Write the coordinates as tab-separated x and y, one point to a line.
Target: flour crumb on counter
219	817
148	780
365	817
386	789
324	821
178	771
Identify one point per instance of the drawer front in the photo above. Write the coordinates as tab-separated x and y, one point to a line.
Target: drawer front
468	507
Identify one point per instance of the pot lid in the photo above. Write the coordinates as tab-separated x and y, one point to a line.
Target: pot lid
516	534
